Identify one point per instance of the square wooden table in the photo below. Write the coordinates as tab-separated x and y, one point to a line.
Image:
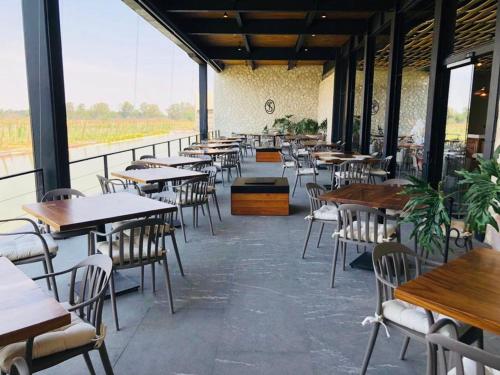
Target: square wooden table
160	175
376	196
211	152
88	212
465	289
26	311
174	161
217	145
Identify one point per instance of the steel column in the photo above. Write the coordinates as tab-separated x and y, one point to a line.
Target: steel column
366	115
203	120
338	94
439	81
350	91
44	67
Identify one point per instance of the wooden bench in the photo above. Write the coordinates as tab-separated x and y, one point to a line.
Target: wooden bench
264	196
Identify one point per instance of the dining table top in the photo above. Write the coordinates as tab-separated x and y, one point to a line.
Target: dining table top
371	195
226	140
217	145
333	157
26	311
172	161
465	289
208	151
91	211
151	175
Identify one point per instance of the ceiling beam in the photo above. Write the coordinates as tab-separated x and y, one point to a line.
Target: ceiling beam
277	6
232	53
302	37
272	27
246	40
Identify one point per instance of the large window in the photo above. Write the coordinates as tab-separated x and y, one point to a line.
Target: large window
126	85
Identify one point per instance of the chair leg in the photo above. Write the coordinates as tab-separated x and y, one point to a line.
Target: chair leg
214	197
176	251
283	173
320	234
334	263
103	353
182	223
45	269
308	234
194	216
50	268
369	349
169	286
222	175
210	219
142	278
295	185
153	277
113	301
344	251
404	348
88	362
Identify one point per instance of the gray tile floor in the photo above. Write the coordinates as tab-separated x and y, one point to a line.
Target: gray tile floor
248	304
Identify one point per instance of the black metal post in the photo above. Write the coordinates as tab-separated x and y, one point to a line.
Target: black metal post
393	101
350	92
338	84
439	81
494	96
44	67
203	101
366	116
168	148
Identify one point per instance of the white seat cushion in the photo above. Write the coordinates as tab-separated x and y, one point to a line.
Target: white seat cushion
304	171
77	333
103	248
353	234
326	213
378	172
470	368
25	246
289	164
415	318
460	226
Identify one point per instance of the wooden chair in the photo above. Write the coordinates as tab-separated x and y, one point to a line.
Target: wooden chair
395	264
361	226
463	359
320	212
30	246
85	333
135	244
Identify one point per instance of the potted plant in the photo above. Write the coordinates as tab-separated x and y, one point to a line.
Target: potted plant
283	125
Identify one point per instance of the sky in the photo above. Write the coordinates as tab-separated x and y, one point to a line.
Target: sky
110	54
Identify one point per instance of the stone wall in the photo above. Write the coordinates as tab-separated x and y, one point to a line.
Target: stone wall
240	94
325	102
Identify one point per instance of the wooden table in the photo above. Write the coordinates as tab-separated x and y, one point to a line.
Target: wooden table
211	152
263	196
226	140
88	212
267	154
465	289
159	175
216	145
335	157
376	196
174	161
26	310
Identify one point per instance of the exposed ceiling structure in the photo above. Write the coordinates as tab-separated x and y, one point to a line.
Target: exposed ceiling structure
255	32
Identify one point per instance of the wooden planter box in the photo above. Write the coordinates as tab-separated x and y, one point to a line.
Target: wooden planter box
267	155
260	196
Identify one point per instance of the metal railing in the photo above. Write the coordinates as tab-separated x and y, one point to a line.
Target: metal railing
171	144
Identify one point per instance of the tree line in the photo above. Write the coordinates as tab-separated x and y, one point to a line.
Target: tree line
126	110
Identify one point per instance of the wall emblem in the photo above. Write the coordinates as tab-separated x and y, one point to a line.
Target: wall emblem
375	107
269	106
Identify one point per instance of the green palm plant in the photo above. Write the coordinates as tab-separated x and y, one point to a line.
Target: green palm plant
426	210
483	193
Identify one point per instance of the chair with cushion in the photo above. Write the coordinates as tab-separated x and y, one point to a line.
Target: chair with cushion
382	170
85	333
115	185
228	161
361	226
29	246
19	366
395	182
211	172
463	359
144	189
351	172
320	212
303	168
286	162
135	244
394	265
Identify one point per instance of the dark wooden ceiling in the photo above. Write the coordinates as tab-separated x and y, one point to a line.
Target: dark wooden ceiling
253	32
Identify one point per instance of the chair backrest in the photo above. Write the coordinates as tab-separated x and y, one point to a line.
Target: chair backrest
352	171
61	194
229	159
463	358
19	366
86	294
201	165
134	166
386	162
137	242
362	224
193	191
146	157
397	182
108	186
211	172
313	192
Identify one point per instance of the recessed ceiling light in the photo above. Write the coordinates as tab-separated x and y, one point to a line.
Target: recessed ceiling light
323	16
239	48
313	35
225	15
479	64
306	49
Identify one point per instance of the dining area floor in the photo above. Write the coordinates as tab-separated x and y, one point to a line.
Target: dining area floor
248	303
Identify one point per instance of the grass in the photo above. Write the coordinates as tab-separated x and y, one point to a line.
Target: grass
15	133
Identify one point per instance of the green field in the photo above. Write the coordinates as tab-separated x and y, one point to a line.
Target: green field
15	133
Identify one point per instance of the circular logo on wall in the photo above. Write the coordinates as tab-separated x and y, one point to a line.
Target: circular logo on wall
375	107
269	106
